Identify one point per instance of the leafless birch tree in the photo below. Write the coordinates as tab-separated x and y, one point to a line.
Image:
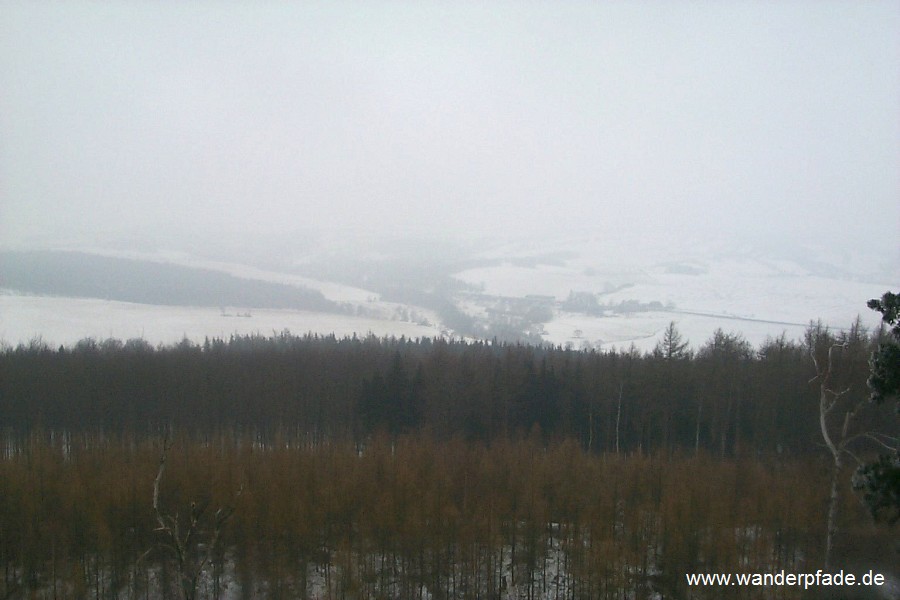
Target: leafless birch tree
839	411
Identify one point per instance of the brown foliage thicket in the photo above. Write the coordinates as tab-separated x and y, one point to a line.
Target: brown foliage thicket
408	517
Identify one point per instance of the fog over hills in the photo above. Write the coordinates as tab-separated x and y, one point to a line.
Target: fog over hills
581	291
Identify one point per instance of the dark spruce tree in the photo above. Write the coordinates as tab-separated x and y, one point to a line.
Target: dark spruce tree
391	402
879	481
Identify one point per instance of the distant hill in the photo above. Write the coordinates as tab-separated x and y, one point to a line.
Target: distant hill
78	274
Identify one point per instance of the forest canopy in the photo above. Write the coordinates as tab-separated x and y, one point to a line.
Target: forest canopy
728	398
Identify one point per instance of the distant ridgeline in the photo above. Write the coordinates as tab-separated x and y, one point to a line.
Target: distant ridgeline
728	399
84	275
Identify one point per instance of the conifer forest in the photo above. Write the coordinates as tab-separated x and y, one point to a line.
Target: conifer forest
289	466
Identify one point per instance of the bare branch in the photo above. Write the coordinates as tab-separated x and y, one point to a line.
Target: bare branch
190	561
842	346
875	438
854	457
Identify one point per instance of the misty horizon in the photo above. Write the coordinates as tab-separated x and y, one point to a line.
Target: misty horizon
126	120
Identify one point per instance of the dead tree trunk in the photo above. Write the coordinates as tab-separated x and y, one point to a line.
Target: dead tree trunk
191	554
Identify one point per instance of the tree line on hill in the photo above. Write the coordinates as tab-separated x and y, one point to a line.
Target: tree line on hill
85	275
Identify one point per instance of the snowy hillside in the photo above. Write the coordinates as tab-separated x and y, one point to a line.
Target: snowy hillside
583	291
700	288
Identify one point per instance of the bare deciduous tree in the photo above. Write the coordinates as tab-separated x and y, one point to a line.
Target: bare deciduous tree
839	410
194	548
828	401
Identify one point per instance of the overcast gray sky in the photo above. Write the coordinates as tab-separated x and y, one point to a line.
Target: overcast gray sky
775	117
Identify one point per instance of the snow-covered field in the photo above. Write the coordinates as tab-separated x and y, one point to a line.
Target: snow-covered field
745	291
732	296
67	320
